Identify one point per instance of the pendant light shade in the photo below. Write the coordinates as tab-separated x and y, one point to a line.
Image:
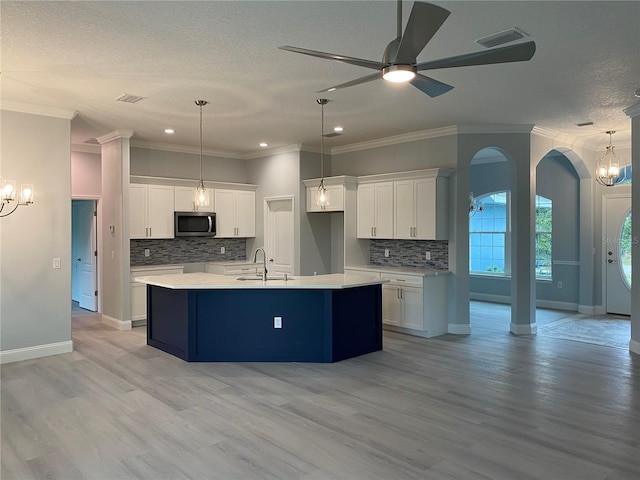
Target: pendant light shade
322	195
201	196
610	168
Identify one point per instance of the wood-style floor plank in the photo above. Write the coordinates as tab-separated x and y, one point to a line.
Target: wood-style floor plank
490	405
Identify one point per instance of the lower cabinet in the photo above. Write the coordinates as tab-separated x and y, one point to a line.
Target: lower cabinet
413	303
138	308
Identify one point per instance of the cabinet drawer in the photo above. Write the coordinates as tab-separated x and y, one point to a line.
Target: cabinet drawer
403	279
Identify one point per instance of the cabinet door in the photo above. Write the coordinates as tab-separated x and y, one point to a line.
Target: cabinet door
225	201
366	210
403	206
245	214
137	211
384	210
184	200
138	301
413	308
160	211
391	305
426	208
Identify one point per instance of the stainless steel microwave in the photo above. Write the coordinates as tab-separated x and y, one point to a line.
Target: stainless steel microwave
195	224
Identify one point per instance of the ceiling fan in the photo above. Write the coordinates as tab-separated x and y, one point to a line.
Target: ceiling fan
399	59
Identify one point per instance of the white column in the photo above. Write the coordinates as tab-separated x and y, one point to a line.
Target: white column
634	113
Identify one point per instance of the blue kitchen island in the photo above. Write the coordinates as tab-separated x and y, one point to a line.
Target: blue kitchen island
202	317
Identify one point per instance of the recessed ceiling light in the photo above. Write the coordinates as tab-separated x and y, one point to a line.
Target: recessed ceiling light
263	144
169	130
338	129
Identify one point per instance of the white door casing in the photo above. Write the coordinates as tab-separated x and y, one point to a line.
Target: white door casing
86	260
279	234
617	290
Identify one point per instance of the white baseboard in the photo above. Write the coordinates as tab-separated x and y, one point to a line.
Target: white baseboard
115	323
487	297
523	328
37	351
459	328
634	346
555	305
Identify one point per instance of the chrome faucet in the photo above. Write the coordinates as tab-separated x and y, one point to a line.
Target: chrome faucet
264	261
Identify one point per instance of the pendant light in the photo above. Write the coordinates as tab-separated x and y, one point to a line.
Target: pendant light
322	196
610	169
201	196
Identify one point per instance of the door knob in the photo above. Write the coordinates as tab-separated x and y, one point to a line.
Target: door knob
611	260
271	259
79	259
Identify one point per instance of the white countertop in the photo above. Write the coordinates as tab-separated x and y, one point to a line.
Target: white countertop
234	263
425	272
199	280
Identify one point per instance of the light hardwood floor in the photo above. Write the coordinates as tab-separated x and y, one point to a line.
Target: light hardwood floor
486	406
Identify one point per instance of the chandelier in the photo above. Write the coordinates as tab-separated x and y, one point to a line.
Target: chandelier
610	168
8	195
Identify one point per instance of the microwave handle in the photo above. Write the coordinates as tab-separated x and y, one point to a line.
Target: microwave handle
210	223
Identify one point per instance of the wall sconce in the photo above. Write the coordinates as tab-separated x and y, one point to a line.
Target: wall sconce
8	195
475	205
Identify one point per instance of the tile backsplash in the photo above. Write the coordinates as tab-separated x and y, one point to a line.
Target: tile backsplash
186	250
410	253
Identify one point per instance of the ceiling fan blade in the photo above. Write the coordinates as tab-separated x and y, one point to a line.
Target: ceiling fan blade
357	81
428	85
360	62
424	21
512	53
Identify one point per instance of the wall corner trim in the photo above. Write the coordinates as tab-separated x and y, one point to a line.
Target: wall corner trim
115	323
524	329
37	351
459	328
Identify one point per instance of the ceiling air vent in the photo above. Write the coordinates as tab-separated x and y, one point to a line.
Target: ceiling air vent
584	124
128	98
332	134
500	38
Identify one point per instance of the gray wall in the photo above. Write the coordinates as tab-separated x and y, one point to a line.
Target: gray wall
557	180
35	299
86	174
161	163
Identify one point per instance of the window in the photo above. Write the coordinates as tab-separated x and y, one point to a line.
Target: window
543	237
490	231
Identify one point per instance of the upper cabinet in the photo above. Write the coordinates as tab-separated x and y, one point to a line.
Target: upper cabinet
151	210
336	188
421	209
185	200
375	210
407	205
235	213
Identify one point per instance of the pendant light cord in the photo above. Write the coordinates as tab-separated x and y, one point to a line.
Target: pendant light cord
201	103
322	102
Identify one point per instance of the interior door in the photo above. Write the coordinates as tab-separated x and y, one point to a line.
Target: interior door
86	255
617	254
279	235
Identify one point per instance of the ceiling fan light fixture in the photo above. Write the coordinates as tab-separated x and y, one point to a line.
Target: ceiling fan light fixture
399	73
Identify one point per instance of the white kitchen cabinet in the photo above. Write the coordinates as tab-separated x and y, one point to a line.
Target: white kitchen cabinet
335	194
233	268
235	213
375	210
151	209
138	308
402	301
184	200
421	209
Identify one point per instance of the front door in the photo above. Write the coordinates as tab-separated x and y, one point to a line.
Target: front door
279	216
617	254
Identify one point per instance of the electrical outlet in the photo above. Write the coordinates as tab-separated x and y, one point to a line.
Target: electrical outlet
386	252
147	252
223	250
427	255
559	284
277	322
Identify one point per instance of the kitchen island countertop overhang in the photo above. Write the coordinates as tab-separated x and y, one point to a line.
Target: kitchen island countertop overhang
213	318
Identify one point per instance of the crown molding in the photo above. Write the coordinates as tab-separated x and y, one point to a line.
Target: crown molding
85	148
559	137
34	109
266	152
168	147
468	129
396	139
116	134
633	110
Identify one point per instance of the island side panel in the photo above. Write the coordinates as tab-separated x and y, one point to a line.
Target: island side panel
167	320
357	321
238	326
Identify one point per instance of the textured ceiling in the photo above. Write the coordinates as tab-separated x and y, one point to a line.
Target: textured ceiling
83	55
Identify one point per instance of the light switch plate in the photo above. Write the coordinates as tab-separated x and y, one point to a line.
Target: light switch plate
427	255
56	263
